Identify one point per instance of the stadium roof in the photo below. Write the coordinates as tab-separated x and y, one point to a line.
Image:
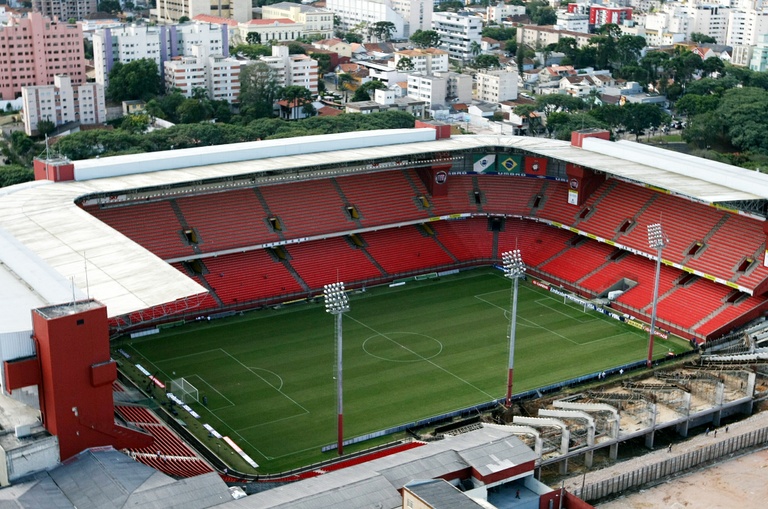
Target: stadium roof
56	245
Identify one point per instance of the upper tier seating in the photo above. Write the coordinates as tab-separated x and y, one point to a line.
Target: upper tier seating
687	306
307	208
227	220
153	225
383	198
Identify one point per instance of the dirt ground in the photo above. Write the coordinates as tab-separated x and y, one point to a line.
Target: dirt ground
741	483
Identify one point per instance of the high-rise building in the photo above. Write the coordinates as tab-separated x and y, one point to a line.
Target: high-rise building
427	60
496	85
293	70
459	33
71	9
171	11
353	14
159	43
62	103
34	49
218	75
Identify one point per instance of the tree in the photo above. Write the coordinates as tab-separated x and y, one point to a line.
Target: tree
252	51
383	30
110	6
611	115
45	127
703	38
486	61
560	125
558	102
129	6
405	64
15	174
137	123
258	90
183	19
475	48
534	120
746	130
363	92
499	33
139	79
296	97
712	66
425	38
640	117
253	38
692	104
344	81
87	49
294	48
628	50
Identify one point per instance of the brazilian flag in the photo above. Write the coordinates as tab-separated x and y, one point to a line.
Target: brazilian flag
510	164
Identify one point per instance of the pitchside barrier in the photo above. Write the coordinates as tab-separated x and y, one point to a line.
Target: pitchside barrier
677	465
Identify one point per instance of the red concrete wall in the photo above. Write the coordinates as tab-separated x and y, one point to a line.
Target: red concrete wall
56	171
443	131
21	373
571	501
522	468
553	496
76	379
578	137
582	181
435	179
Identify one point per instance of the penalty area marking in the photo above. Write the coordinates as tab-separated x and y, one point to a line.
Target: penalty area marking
213	389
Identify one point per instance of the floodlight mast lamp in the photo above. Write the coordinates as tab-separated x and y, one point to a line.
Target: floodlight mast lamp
514	268
658	241
337	303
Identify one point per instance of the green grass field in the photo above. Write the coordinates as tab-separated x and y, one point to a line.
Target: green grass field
410	352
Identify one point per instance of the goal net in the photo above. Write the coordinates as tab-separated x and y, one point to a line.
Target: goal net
185	391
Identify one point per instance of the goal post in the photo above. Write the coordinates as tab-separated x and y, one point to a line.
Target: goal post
185	391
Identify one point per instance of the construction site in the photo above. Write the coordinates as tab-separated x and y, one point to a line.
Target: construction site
625	415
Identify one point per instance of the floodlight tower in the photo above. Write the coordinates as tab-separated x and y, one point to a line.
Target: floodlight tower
337	303
514	269
658	241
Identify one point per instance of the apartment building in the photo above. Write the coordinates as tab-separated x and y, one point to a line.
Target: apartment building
34	49
440	88
416	14
458	31
357	13
536	36
427	60
159	43
170	11
600	15
759	60
218	75
298	70
317	22
63	102
496	85
746	27
71	9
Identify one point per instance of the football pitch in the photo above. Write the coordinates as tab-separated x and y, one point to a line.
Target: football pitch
410	352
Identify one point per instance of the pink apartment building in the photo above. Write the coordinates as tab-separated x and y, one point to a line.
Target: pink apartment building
34	49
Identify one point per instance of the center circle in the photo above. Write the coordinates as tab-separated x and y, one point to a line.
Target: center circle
402	347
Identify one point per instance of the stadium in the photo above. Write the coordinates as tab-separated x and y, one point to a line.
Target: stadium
203	234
